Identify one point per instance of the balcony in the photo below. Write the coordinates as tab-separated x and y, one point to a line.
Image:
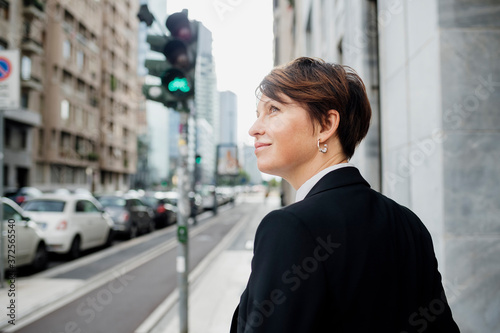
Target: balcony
29	46
32	83
34	9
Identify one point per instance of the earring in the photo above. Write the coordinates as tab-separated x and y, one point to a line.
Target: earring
323	150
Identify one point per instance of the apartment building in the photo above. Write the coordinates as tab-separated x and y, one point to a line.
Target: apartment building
22	27
80	92
120	93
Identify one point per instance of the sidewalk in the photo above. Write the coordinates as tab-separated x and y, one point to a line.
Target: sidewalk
215	295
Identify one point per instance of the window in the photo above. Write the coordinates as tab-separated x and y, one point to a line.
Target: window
113	82
78	117
10	213
66	49
85	206
81	86
4	10
40	141
3	44
68	18
25	68
53	141
67	78
90	121
64	109
80	59
44	206
112	201
24	138
7	136
24	99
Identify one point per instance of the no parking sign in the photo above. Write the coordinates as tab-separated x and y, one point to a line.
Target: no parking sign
9	79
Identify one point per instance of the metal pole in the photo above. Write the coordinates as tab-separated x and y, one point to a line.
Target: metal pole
2	245
216	178
182	225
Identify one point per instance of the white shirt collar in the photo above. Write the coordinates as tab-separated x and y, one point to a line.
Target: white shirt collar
309	184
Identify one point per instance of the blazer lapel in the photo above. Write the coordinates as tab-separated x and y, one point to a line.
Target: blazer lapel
338	178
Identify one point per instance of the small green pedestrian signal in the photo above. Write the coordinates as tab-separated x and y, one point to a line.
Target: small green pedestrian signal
179	84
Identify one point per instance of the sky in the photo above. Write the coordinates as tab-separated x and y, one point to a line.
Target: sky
242	32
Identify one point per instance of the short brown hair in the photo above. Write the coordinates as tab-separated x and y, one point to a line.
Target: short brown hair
319	87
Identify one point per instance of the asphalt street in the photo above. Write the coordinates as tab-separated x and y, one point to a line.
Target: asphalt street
123	303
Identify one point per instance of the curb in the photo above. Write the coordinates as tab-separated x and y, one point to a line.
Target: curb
47	306
166	306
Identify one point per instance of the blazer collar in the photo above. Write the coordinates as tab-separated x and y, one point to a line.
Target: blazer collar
338	178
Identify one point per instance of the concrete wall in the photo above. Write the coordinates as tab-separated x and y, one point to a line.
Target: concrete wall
440	91
470	87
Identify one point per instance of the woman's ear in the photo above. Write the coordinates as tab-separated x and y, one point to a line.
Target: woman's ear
329	128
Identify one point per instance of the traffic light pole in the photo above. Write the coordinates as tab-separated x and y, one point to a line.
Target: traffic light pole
183	185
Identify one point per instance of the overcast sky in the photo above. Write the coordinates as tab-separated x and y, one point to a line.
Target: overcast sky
242	32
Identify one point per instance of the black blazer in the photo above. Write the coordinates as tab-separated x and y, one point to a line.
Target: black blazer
344	259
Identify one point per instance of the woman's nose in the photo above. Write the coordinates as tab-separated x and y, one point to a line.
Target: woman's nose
256	129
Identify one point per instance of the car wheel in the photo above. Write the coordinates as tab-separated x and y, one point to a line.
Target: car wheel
74	250
109	239
132	233
41	258
151	226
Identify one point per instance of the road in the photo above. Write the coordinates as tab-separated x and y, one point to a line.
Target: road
121	303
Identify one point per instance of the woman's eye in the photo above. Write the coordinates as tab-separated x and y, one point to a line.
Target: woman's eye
273	109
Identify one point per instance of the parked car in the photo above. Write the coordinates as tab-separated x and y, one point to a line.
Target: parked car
227	194
30	248
25	193
208	197
130	215
194	201
164	213
71	223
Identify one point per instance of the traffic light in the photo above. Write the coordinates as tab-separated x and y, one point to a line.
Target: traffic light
145	15
198	159
177	73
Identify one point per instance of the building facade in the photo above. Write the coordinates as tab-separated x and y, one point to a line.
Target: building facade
22	27
120	94
79	75
432	76
228	117
206	107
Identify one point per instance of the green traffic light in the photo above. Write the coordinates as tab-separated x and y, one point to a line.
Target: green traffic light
198	159
179	84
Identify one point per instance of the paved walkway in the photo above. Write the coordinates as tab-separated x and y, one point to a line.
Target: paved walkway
215	295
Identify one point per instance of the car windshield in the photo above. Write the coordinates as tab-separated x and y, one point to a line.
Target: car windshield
151	201
44	206
112	201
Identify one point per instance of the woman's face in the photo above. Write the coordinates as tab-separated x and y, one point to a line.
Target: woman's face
284	140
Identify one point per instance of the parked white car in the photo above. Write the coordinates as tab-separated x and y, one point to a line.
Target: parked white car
71	223
22	240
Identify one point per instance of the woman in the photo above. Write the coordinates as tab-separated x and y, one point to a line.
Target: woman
343	258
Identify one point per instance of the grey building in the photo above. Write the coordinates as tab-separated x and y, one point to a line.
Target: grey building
228	117
432	76
206	106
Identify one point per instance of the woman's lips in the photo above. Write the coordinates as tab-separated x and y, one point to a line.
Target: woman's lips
260	146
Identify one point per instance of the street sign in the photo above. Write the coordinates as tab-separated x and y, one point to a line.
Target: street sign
9	79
